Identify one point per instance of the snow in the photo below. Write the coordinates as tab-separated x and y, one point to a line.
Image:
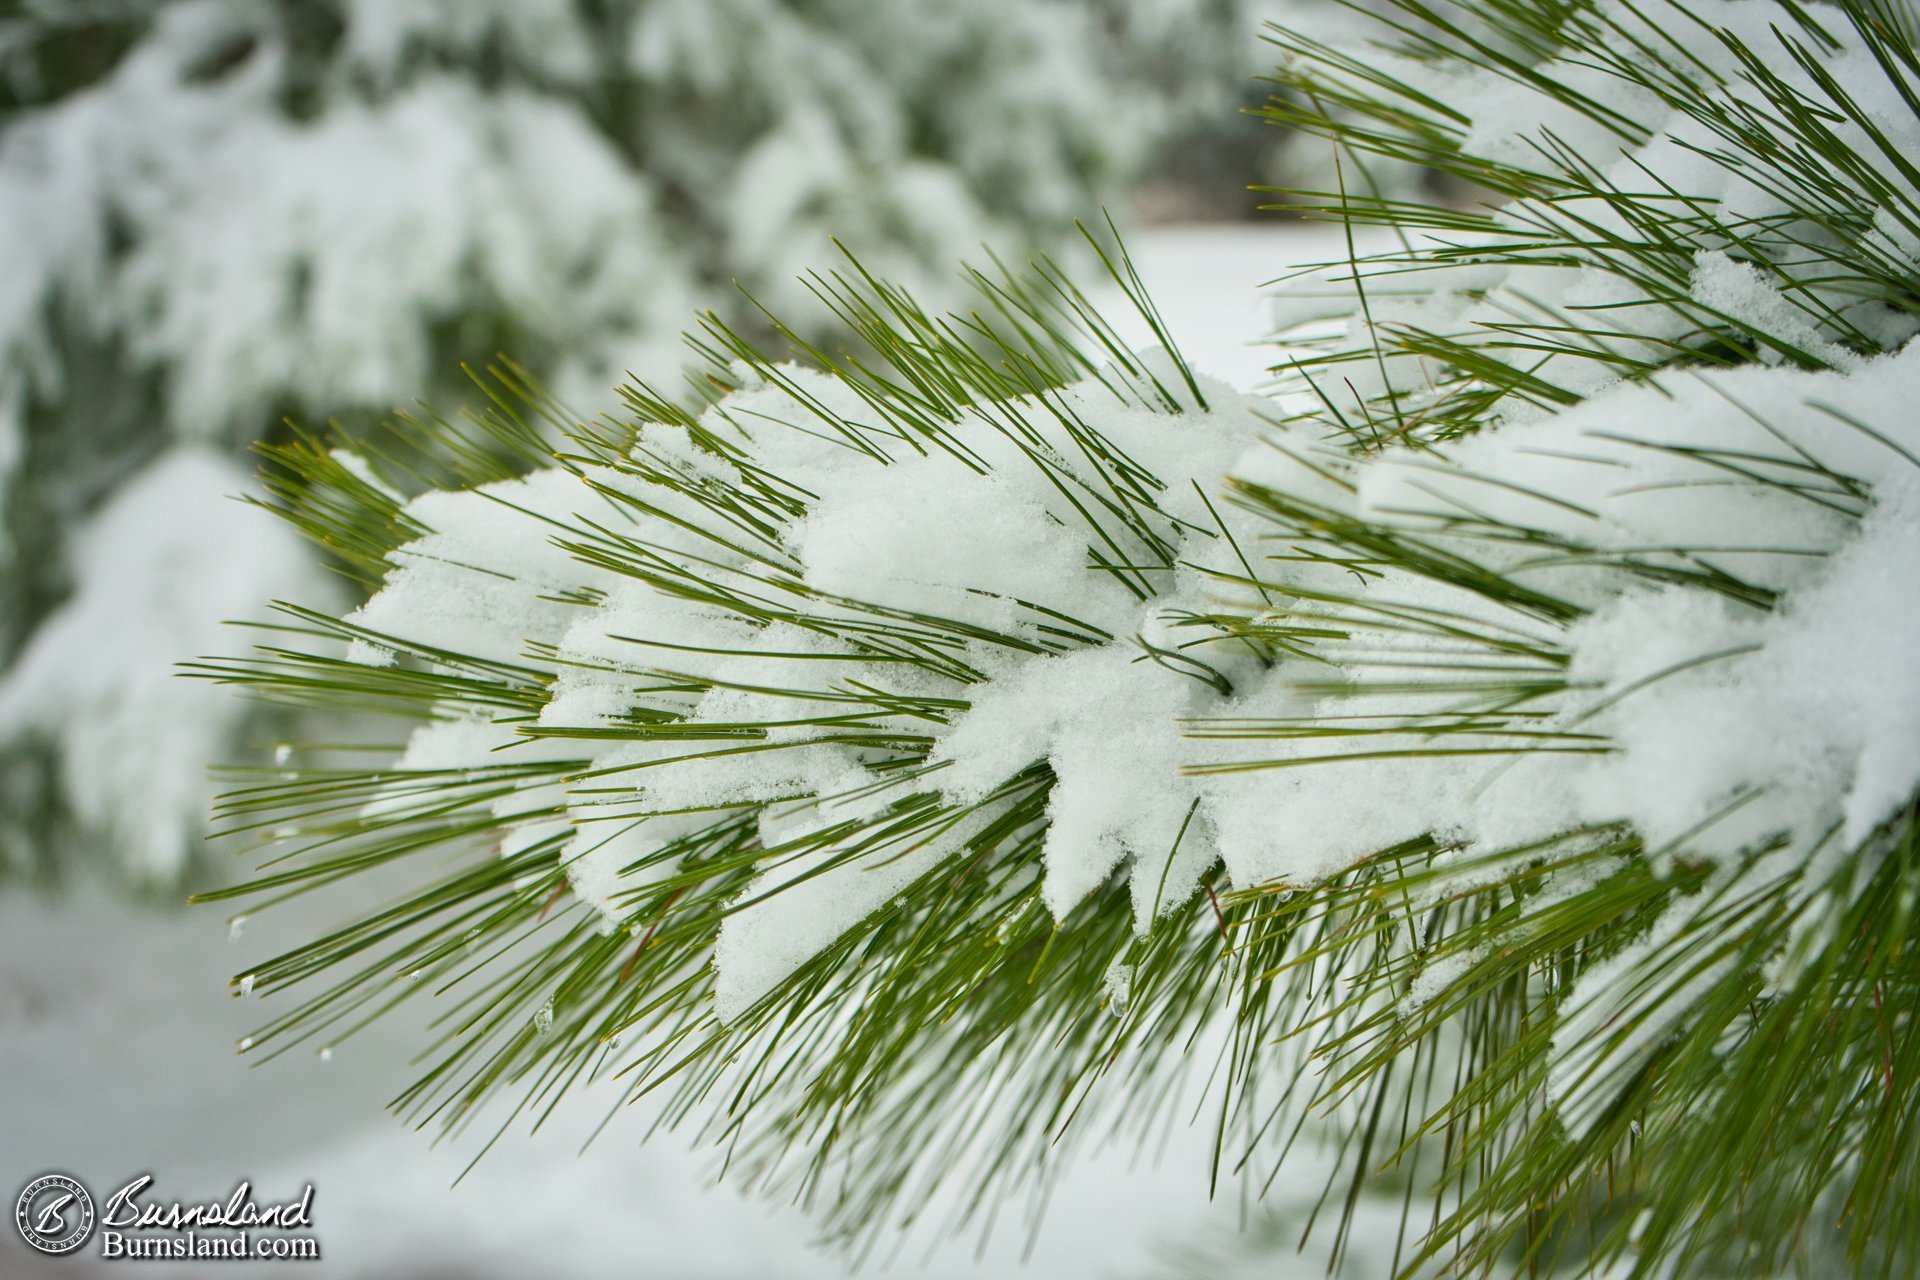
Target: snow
1820	703
380	224
544	36
441	599
1725	726
162	567
1768	730
897	541
278	262
800	903
1107	724
1726	286
1796	700
1117	982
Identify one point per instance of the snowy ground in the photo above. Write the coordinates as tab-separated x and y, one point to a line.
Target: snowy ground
116	1058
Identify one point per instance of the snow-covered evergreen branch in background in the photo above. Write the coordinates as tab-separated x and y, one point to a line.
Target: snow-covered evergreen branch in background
911	751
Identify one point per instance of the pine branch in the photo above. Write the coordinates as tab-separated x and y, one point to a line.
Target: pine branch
898	763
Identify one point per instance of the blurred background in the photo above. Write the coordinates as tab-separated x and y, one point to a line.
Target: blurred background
220	217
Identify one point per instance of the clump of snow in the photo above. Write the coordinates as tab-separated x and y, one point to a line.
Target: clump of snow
1811	701
1726	286
273	261
803	901
312	261
1117	983
162	567
1107	723
1434	978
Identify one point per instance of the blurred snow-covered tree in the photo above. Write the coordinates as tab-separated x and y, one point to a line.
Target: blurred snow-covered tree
214	214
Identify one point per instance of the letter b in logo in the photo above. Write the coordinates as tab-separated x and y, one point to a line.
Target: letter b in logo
54	1214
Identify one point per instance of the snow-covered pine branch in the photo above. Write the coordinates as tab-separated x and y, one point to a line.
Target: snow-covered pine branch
930	744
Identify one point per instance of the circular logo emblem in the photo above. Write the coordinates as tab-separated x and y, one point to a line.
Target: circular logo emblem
54	1214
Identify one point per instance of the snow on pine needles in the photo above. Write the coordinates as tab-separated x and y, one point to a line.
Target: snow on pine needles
863	634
